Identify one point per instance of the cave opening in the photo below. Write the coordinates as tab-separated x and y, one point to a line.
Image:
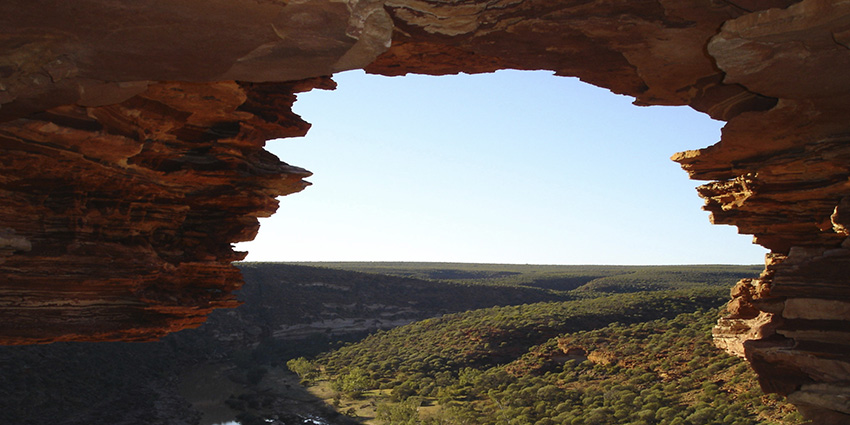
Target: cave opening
505	167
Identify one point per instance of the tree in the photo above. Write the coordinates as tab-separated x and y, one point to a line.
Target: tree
352	383
549	393
404	413
302	367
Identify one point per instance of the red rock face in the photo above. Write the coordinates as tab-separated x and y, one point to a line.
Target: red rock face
121	196
118	220
783	177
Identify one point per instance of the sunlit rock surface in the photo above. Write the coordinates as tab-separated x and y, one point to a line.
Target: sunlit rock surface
132	145
118	220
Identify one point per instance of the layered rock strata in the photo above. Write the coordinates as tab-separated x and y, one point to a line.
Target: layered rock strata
121	194
784	177
118	220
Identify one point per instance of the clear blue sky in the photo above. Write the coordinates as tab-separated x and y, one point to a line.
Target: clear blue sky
510	167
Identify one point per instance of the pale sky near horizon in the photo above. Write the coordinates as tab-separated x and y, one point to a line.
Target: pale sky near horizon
509	167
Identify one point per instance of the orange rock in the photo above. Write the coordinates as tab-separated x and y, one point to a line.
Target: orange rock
120	218
121	194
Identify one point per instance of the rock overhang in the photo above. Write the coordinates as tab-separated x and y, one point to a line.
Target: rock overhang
133	134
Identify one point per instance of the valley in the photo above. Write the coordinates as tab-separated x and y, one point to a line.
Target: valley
458	343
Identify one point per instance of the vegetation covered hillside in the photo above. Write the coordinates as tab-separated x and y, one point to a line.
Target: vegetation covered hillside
488	337
558	277
663	371
466	321
312	292
631	346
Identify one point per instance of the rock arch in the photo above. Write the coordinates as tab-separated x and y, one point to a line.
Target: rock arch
132	142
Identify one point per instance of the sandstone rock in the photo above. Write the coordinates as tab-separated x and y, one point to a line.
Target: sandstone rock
121	193
99	52
123	216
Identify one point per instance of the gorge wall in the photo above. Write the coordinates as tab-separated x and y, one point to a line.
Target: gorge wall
132	138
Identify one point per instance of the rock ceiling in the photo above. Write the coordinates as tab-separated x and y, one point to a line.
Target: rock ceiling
132	137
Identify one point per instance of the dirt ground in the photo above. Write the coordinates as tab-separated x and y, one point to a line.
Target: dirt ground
209	387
